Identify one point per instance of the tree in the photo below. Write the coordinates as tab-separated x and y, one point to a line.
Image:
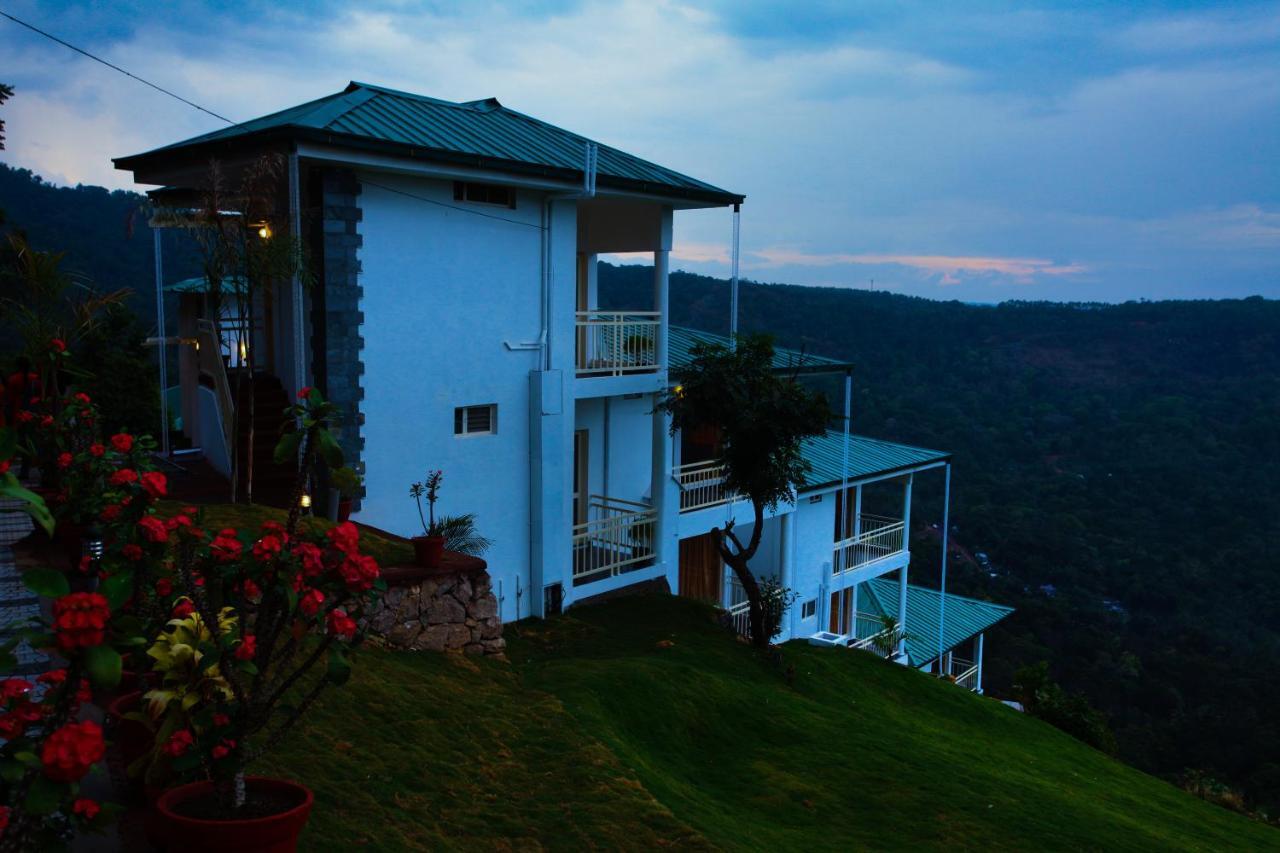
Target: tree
6	92
762	417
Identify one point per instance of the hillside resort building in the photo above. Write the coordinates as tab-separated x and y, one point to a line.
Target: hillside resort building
452	314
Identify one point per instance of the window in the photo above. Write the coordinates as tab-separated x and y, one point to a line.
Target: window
484	193
475	420
809	608
815	499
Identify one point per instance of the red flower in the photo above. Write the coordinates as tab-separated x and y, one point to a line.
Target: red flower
176	522
223	749
131	552
24	417
86	563
12	688
251	589
178	743
359	572
12	726
4	467
83	398
221	720
304	392
345	537
122	442
71	750
64	460
86	808
46	421
311	603
155	484
226	548
183	609
312	558
164	587
189	510
58	345
153	529
267	548
248	648
110	512
123	477
79	620
4	819
341	625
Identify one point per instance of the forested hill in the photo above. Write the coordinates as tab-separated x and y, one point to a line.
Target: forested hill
1120	464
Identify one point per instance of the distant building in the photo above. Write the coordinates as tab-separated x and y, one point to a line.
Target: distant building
455	320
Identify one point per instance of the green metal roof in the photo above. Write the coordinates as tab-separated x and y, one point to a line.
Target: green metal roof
867	457
480	133
965	617
681	341
200	284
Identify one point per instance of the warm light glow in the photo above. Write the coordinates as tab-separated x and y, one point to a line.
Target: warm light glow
244	349
264	232
305	501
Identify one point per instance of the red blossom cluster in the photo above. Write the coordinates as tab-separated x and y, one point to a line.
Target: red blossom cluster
70	751
80	620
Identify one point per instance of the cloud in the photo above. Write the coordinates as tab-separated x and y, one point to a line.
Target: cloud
950	267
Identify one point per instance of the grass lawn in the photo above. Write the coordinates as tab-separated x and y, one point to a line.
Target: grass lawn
641	724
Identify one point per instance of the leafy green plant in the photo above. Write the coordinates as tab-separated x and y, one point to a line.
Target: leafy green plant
346	481
429	489
459	532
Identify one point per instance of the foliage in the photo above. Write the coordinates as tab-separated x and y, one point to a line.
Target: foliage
762	418
889	639
346	481
1041	697
430	489
287	601
775	600
119	372
6	92
635	725
459	532
1125	457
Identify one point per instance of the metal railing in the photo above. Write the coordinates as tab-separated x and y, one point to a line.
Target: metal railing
617	343
618	536
868	633
877	537
963	672
738	607
702	485
209	359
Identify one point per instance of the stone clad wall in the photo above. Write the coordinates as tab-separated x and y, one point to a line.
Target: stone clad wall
446	612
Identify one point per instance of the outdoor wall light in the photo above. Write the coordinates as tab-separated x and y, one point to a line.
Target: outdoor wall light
305	501
264	231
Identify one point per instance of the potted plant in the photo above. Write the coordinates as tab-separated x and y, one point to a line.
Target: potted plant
429	547
346	484
459	534
262	624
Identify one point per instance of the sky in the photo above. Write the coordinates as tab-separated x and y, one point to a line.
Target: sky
973	151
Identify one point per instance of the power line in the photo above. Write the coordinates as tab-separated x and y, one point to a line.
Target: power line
112	66
194	105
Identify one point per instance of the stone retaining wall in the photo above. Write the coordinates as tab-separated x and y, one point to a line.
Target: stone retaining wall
451	611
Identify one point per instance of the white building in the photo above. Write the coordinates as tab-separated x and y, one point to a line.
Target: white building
454	317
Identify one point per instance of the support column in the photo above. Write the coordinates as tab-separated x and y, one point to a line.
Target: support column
786	572
978	677
163	348
902	573
665	491
946	528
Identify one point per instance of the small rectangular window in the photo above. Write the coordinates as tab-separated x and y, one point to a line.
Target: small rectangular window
809	608
484	193
815	499
475	420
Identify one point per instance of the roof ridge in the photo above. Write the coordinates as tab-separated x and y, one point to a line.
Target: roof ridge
400	93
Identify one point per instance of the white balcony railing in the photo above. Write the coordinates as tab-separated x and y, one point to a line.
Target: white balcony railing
870	634
618	536
963	672
617	343
878	537
702	485
739	608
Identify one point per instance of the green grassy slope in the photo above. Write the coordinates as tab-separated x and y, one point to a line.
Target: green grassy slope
641	724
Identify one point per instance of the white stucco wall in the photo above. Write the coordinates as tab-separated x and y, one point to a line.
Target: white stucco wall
443	290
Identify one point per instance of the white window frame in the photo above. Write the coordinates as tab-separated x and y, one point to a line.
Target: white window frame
493	420
809	609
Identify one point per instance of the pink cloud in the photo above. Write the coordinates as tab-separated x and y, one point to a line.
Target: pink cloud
950	267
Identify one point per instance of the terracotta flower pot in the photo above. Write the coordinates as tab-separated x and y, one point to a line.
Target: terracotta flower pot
427	551
275	833
344	509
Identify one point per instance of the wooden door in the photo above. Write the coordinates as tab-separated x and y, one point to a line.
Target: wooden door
841	612
701	570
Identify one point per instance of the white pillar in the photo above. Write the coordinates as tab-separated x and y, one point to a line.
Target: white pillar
946	527
902	573
733	279
665	491
978	676
163	349
786	571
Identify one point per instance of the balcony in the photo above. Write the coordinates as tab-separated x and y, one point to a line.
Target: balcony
963	672
702	485
877	538
617	537
617	343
